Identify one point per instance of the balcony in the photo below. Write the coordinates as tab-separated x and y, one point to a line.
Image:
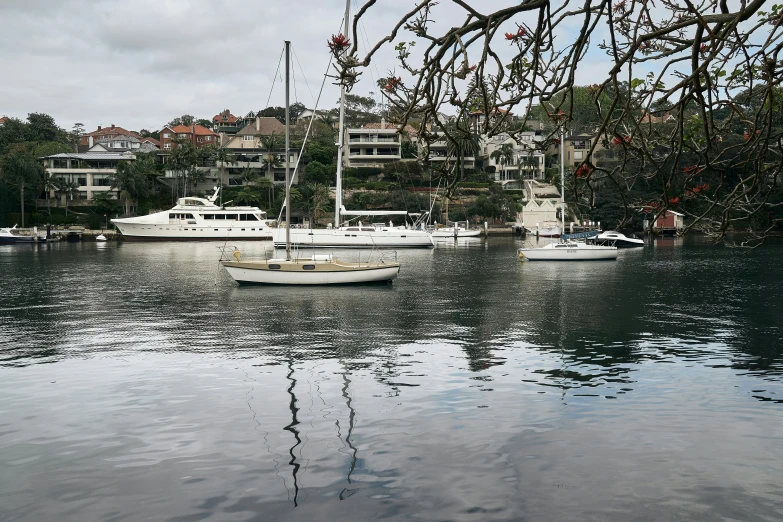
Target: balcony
374	139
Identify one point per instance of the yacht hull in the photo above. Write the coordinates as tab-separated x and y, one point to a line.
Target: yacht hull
294	273
168	232
339	238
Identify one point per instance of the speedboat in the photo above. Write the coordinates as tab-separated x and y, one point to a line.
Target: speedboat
548	229
197	219
11	236
568	251
613	238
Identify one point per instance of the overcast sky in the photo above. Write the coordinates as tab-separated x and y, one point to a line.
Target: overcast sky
139	64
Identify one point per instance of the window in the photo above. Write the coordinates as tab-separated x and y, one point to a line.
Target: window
82	182
167	135
279	176
200	140
209	216
247	138
308	267
209	138
167	146
274	267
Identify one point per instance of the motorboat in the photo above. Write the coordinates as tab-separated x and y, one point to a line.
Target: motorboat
12	236
454	231
100	237
316	269
198	219
613	238
568	251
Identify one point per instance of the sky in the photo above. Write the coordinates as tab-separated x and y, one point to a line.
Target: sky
140	64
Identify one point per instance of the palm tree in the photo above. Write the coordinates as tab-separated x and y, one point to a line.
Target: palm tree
183	157
248	176
317	199
224	157
69	189
50	184
131	179
269	158
503	155
265	183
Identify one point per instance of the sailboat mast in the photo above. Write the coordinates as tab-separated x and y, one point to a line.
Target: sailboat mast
562	182
338	193
287	159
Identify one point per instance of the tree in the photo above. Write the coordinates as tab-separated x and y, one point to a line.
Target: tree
315	198
185	119
690	61
132	179
224	157
20	167
503	155
270	158
294	110
69	189
204	123
76	135
50	184
184	157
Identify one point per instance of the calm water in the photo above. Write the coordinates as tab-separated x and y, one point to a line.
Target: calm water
138	382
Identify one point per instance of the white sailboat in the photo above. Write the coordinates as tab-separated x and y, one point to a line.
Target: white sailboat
567	250
314	270
460	229
360	234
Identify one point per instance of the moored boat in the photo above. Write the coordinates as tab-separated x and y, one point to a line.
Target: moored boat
568	251
198	219
613	238
11	236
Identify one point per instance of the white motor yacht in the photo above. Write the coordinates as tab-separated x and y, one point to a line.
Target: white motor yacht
197	219
613	238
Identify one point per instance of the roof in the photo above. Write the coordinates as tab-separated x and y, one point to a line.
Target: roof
267	125
3	120
410	129
150	139
92	155
109	130
126	137
191	129
229	118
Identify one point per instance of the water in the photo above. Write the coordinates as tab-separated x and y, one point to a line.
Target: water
138	382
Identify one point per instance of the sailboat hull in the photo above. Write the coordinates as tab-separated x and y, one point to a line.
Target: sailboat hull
346	238
309	272
447	233
569	252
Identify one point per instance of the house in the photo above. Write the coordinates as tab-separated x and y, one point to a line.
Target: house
525	162
149	140
669	222
372	145
478	118
3	120
651	118
227	123
100	134
541	213
123	143
577	149
440	153
248	147
195	134
90	171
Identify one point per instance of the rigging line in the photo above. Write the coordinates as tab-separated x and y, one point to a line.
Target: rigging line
307	84
363	30
309	126
274	80
293	79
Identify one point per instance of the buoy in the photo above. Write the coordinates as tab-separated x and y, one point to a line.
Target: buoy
237	255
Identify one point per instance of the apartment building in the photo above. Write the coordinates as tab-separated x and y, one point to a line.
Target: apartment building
372	146
195	134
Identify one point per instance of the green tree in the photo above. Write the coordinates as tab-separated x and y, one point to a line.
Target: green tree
294	110
224	157
69	189
270	159
183	158
503	155
20	167
132	180
50	184
185	119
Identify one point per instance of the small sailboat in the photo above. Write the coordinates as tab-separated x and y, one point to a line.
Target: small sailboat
567	250
314	270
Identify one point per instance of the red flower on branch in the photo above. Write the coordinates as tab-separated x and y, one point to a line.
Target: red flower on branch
583	171
674	201
617	141
338	43
392	83
515	37
692	169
